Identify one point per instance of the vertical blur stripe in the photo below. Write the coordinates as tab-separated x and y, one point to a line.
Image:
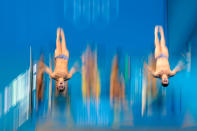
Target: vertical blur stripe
149	85
90	75
84	84
1	105
144	90
88	12
127	68
5	101
98	88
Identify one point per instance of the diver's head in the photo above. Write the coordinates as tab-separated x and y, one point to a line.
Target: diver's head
164	80
60	83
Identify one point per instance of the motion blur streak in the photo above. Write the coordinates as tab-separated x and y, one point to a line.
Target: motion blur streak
149	90
90	75
117	91
91	12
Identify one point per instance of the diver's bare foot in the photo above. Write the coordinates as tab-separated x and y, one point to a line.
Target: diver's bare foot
161	29
156	29
58	31
62	36
62	32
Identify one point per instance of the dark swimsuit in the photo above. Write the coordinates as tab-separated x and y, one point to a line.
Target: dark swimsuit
62	57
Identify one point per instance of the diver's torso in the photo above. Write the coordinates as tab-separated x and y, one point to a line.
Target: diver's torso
61	66
162	65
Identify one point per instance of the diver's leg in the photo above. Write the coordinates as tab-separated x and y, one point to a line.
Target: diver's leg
64	49
164	49
58	49
157	46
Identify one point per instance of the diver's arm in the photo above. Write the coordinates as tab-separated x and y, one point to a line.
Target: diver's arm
172	73
154	74
179	67
42	68
69	76
49	72
73	70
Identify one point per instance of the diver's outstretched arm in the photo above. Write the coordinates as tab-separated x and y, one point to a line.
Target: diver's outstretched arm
154	74
73	70
49	72
42	68
180	66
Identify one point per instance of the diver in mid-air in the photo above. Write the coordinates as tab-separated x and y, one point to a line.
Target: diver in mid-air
61	73
163	70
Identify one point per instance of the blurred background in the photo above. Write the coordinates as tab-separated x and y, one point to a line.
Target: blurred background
103	31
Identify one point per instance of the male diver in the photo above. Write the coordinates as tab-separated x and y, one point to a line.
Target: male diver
60	74
163	70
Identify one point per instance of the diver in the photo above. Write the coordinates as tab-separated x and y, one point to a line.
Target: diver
163	70
60	74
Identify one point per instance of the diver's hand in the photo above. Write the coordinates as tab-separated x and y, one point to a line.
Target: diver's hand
161	29
73	70
180	66
76	67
